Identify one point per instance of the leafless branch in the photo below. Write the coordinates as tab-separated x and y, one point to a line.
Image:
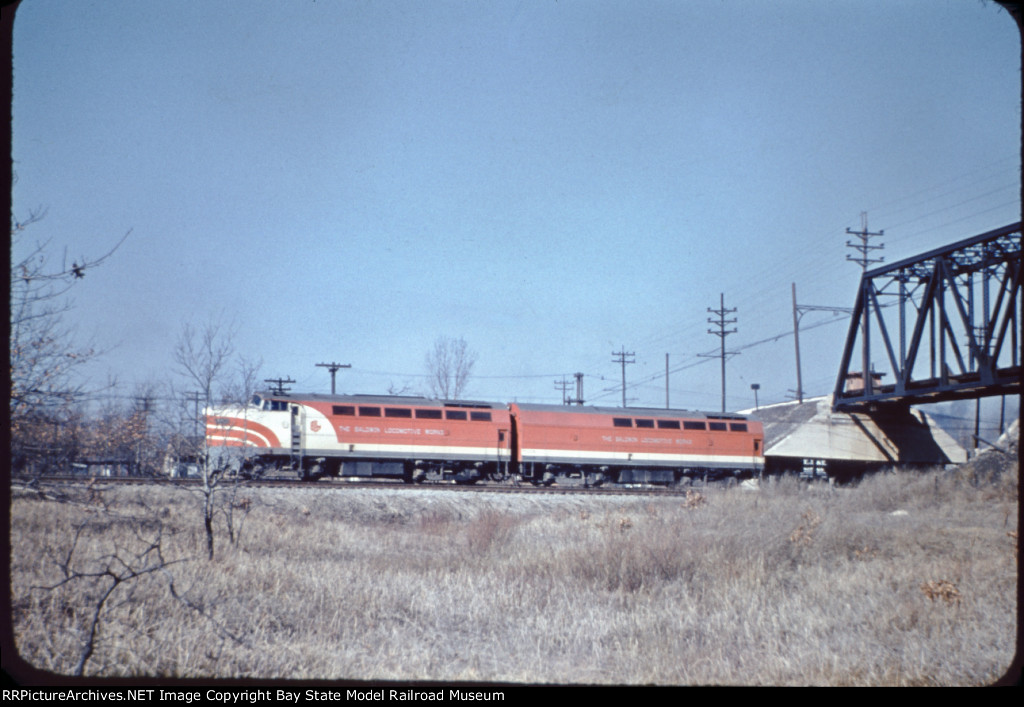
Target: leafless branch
449	366
111	571
43	353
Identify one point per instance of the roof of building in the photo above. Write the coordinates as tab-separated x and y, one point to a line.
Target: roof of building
812	430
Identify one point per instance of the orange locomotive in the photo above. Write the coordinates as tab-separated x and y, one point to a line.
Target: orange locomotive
417	439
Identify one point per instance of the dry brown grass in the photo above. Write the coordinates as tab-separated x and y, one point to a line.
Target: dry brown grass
790	585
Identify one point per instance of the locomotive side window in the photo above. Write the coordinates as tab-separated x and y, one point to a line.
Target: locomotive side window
717	426
369	411
480	416
397	412
455	414
344	409
668	424
693	425
645	423
428	414
622	421
738	426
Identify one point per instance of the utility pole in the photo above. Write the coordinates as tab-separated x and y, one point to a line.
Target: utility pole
563	385
278	385
796	340
799	311
720	321
333	368
143	404
578	400
623	357
864	247
666	382
195	398
755	387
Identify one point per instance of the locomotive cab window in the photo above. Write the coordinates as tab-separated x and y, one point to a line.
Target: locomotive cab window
738	426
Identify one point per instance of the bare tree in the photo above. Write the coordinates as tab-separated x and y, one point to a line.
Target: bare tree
202	357
449	367
399	389
205	358
44	356
240	391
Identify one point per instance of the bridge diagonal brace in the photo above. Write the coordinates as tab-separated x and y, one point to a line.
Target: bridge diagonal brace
1010	312
928	365
958	300
926	310
947	332
897	369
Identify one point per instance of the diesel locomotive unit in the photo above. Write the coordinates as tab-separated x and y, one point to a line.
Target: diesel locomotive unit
418	439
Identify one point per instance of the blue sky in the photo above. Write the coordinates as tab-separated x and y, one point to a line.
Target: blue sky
552	181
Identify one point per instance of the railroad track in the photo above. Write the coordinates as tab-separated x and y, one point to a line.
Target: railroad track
345	484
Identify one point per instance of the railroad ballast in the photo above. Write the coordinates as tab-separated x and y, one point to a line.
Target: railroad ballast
418	439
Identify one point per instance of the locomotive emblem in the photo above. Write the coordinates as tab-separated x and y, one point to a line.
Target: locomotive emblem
315	426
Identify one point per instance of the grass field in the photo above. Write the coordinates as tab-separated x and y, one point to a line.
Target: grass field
905	579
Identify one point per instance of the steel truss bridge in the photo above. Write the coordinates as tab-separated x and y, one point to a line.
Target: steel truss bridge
944	325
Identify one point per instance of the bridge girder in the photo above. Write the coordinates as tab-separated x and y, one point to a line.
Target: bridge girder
949	323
